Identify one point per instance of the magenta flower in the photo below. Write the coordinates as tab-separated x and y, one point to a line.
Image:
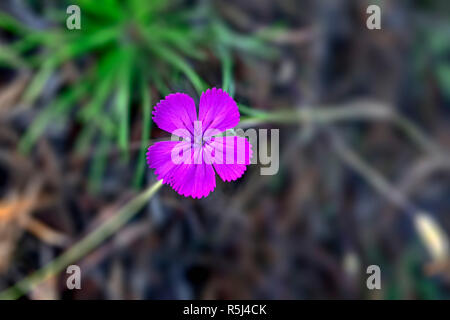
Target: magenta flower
189	165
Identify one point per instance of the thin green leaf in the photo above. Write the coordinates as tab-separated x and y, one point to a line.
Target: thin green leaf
102	9
10	57
99	163
59	108
146	127
227	72
159	83
171	57
183	40
108	69
243	109
82	44
9	23
443	76
85	138
249	44
33	39
39	81
122	101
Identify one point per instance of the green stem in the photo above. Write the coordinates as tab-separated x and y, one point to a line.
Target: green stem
83	247
325	115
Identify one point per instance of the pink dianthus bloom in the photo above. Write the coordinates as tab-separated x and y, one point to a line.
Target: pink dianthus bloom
188	165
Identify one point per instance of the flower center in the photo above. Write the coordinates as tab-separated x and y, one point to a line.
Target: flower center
198	141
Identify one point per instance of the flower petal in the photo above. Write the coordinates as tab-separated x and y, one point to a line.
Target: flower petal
217	110
175	113
231	156
186	178
195	180
159	157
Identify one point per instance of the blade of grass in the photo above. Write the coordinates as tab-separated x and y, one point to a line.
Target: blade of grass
68	51
243	109
107	70
171	57
80	43
30	41
141	11
39	81
180	39
10	57
83	141
11	24
122	101
61	106
110	9
159	83
146	127
94	116
250	44
75	47
227	72
99	162
103	124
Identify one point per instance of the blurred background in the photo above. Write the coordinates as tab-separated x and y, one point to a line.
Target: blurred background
364	167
